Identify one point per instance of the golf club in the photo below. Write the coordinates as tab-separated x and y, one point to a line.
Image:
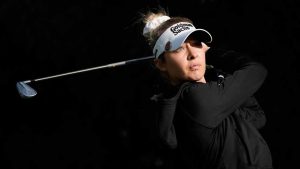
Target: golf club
26	91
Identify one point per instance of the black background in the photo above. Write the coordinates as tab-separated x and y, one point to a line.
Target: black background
102	119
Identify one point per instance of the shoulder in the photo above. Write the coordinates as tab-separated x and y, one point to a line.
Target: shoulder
199	94
185	88
197	88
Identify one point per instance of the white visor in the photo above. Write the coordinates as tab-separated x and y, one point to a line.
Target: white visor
175	36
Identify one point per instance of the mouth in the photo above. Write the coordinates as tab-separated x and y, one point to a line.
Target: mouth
194	67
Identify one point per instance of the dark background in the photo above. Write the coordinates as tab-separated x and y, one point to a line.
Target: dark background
102	119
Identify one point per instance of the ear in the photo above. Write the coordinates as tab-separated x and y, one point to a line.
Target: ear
160	64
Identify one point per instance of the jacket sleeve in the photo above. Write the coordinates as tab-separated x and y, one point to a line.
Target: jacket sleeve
166	111
208	103
164	121
228	61
252	112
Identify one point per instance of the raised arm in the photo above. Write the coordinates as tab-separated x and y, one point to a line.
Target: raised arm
210	103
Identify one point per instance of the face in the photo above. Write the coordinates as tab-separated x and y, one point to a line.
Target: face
187	63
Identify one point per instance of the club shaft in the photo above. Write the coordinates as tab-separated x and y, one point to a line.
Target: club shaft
111	65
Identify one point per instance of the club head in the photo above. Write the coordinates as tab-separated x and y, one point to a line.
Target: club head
25	90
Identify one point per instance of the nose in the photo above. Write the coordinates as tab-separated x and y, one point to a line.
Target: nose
192	53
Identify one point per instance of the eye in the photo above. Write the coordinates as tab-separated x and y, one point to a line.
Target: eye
196	44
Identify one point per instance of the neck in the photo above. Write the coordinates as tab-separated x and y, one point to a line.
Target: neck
202	80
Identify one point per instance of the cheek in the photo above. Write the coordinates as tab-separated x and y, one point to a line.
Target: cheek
176	67
202	57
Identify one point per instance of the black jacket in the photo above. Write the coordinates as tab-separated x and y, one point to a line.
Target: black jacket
216	125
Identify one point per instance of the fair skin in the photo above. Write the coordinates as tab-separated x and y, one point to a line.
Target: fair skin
187	63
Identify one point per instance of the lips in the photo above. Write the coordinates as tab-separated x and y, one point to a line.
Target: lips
194	67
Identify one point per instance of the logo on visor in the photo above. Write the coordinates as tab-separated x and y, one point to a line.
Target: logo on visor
180	27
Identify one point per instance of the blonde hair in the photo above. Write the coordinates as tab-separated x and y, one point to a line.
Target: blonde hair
152	36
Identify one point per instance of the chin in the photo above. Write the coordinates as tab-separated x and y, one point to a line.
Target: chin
197	77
